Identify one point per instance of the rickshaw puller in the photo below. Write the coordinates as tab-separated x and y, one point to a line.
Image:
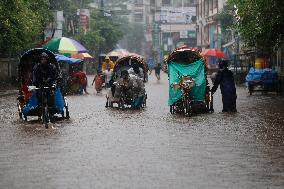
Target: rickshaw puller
45	74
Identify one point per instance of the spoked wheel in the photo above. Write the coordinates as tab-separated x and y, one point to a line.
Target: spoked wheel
20	111
211	104
45	117
67	113
172	109
107	102
145	101
187	108
121	105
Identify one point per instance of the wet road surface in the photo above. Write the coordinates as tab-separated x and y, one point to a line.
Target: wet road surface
108	148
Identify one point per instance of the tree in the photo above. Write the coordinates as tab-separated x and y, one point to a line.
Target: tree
259	22
21	24
104	33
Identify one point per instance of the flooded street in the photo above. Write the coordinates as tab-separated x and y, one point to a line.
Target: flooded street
109	148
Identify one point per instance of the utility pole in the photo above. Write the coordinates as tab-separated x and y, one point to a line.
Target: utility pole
102	7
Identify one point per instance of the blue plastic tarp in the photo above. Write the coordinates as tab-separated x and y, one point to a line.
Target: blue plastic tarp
62	58
267	76
33	102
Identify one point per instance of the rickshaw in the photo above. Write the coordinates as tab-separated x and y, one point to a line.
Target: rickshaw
68	67
137	70
265	80
29	103
189	92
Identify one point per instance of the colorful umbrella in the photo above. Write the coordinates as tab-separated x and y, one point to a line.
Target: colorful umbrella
65	46
214	53
82	56
119	53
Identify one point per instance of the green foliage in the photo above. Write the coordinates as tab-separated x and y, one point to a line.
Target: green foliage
21	23
259	22
104	33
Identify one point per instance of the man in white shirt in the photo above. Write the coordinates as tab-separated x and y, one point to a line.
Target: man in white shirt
108	75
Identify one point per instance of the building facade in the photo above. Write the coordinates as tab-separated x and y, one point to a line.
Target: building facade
174	25
208	29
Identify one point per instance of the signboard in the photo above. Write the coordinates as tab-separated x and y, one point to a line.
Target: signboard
191	34
183	34
177	15
85	19
156	35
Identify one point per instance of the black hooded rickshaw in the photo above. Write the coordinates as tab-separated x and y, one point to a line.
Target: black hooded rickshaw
189	91
127	83
43	100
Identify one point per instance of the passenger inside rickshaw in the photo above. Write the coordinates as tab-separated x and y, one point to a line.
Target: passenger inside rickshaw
26	79
131	88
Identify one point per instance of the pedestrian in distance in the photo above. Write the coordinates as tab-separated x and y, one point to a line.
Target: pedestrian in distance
225	79
158	68
98	80
107	63
107	75
81	77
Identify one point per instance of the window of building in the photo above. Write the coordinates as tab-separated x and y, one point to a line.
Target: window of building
138	17
183	3
197	11
166	2
188	3
206	7
153	2
211	5
215	4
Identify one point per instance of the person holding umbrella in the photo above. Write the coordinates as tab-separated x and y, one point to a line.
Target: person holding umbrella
225	79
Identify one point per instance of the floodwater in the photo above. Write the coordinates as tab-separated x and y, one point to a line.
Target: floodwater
108	148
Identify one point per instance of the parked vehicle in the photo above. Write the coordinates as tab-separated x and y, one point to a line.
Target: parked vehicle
264	80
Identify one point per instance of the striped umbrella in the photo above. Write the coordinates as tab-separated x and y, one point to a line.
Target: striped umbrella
82	56
64	45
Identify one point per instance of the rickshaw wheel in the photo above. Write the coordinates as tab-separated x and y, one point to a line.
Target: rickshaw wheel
67	112
107	102
187	108
20	111
171	109
20	115
45	116
25	118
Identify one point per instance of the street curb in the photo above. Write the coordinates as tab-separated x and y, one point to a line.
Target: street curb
8	93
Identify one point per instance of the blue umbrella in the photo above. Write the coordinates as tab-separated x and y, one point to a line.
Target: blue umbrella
62	58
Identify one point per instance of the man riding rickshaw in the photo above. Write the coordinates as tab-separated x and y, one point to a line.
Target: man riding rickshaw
189	91
127	83
39	92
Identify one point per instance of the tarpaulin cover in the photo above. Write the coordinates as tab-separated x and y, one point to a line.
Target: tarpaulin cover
62	58
196	71
33	102
267	76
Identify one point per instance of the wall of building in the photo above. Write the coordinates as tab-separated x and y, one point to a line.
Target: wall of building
8	70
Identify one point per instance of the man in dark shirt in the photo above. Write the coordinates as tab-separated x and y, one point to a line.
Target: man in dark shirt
225	79
45	74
